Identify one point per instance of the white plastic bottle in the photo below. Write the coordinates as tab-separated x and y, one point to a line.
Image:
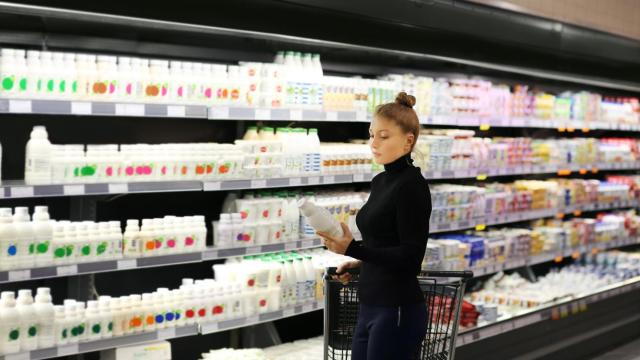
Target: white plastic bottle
94	320
149	317
116	311
9	246
70	243
72	321
10	335
131	240
46	317
25	237
320	218
38	157
224	235
43	230
81	321
104	303
28	321
116	239
60	329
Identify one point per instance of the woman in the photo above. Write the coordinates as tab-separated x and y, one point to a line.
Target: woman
395	226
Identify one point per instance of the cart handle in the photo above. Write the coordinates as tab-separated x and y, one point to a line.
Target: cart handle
334	271
466	274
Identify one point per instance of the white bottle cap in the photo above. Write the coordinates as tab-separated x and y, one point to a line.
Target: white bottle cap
43	295
92	305
187	281
133	222
68	302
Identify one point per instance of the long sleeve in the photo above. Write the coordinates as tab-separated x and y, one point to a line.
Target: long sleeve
413	209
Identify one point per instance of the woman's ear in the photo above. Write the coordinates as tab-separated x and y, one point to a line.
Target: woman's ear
411	140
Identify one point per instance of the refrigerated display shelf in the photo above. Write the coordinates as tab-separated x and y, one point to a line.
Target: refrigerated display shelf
212	327
209	254
14	189
104	344
119	108
557	310
558	255
481	223
164	334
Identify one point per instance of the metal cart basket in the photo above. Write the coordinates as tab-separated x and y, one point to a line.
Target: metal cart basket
443	292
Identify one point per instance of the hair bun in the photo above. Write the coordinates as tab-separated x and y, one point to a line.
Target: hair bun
405	100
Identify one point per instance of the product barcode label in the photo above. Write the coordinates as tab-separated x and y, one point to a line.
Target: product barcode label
127	264
130	109
166	333
73	189
118	188
295	182
219	112
212	186
18	356
20	106
258	183
65	350
176	111
22	191
253	250
67	270
295	115
81	108
19	275
263	114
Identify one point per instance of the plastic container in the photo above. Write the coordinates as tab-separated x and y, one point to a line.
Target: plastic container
320	218
28	321
38	157
45	314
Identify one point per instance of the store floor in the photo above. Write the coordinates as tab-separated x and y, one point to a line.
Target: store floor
628	351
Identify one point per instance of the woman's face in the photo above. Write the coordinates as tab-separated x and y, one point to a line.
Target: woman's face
387	140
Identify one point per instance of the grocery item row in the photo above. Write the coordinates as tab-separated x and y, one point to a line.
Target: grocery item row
269	152
27	242
481	249
449	149
504	296
285	152
242	288
292	80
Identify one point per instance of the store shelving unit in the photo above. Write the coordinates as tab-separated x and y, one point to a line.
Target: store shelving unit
213	115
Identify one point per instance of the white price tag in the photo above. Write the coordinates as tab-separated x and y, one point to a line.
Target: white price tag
263	114
361	116
130	109
19	275
307	243
118	188
295	115
176	111
127	264
65	350
358	177
212	185
258	183
252	319
295	181
20	106
67	270
81	108
211	327
288	312
290	246
332	116
166	333
329	179
219	112
313	180
307	307
19	356
254	250
21	191
73	189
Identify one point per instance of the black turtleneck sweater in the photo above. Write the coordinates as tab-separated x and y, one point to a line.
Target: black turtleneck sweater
394	223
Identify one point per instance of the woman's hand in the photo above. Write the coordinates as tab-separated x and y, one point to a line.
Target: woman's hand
338	245
343	276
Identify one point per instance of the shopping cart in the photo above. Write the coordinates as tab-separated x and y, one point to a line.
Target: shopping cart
443	292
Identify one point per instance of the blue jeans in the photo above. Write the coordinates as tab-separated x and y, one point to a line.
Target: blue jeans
389	333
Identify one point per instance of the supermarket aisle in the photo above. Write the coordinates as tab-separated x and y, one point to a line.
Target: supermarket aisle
628	351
